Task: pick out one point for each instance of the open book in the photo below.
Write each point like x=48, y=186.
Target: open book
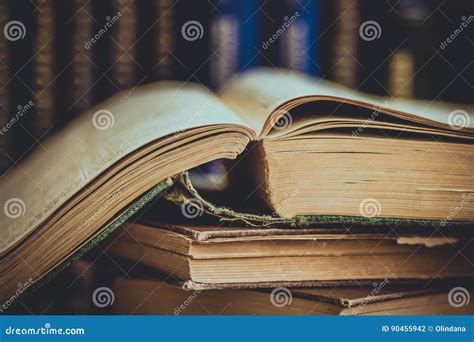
x=313, y=139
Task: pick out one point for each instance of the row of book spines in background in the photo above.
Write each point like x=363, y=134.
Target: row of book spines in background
x=76, y=53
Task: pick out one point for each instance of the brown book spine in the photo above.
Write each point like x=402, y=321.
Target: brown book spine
x=82, y=75
x=164, y=39
x=43, y=68
x=124, y=37
x=4, y=92
x=345, y=43
x=401, y=81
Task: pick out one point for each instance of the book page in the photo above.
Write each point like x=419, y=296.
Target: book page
x=92, y=143
x=258, y=94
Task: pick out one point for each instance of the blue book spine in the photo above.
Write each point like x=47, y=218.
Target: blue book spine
x=233, y=38
x=298, y=44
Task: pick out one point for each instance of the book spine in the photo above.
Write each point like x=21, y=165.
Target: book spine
x=405, y=74
x=451, y=67
x=4, y=91
x=401, y=71
x=298, y=44
x=124, y=35
x=164, y=44
x=325, y=35
x=82, y=75
x=232, y=41
x=20, y=34
x=376, y=44
x=247, y=11
x=345, y=43
x=184, y=41
x=43, y=120
x=144, y=43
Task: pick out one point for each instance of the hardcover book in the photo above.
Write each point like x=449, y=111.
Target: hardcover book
x=81, y=77
x=155, y=297
x=165, y=37
x=290, y=34
x=345, y=50
x=124, y=36
x=44, y=118
x=233, y=32
x=232, y=257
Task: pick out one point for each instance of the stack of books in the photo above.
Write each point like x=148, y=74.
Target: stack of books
x=340, y=202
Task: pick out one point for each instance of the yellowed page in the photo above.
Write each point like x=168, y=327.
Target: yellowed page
x=67, y=162
x=259, y=93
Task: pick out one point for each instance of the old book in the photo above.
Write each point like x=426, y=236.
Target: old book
x=81, y=78
x=345, y=50
x=233, y=39
x=86, y=179
x=375, y=45
x=155, y=297
x=451, y=37
x=44, y=118
x=124, y=37
x=164, y=45
x=407, y=74
x=291, y=36
x=207, y=257
x=18, y=35
x=191, y=33
x=377, y=164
